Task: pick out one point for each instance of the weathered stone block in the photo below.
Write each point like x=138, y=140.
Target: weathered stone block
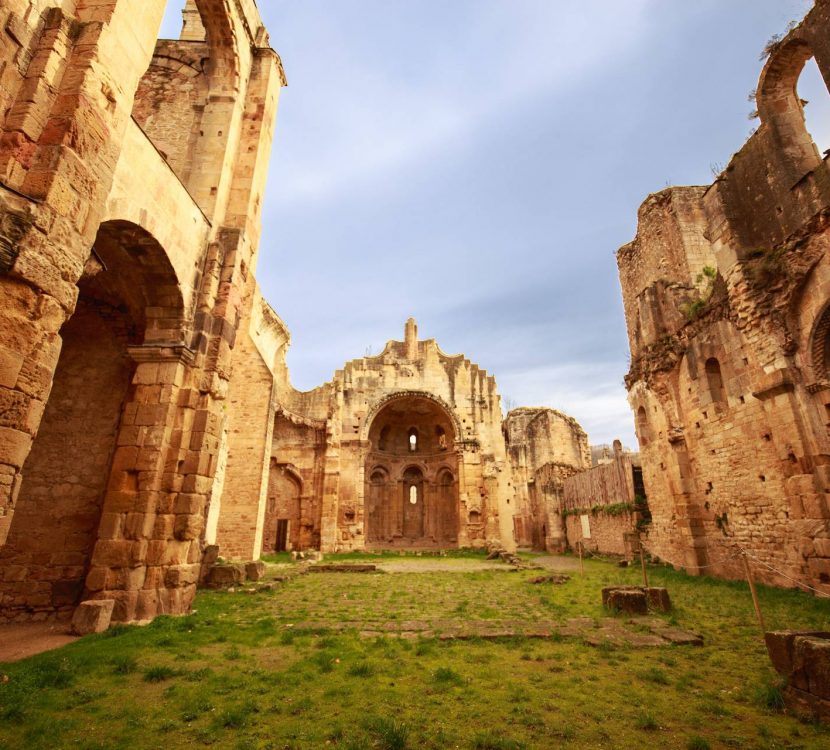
x=254, y=570
x=225, y=574
x=92, y=616
x=811, y=660
x=619, y=597
x=630, y=601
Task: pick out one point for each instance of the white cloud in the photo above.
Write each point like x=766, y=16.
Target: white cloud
x=367, y=123
x=592, y=394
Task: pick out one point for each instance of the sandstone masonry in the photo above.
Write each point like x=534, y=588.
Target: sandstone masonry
x=726, y=291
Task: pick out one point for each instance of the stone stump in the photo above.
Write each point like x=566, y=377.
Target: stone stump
x=636, y=599
x=254, y=570
x=223, y=575
x=803, y=658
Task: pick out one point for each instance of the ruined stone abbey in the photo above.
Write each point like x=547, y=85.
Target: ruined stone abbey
x=145, y=407
x=147, y=413
x=727, y=299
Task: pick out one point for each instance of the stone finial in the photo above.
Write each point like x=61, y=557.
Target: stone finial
x=192, y=28
x=618, y=449
x=411, y=339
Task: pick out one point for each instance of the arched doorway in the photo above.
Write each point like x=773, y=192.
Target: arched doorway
x=128, y=296
x=411, y=492
x=283, y=518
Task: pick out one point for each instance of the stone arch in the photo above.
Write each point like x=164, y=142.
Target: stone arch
x=282, y=527
x=412, y=504
x=820, y=347
x=128, y=300
x=128, y=263
x=780, y=108
x=379, y=405
x=212, y=22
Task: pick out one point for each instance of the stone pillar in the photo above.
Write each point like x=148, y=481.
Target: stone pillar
x=411, y=339
x=192, y=28
x=148, y=550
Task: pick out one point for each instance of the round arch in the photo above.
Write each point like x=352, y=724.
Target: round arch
x=379, y=405
x=414, y=503
x=129, y=269
x=779, y=106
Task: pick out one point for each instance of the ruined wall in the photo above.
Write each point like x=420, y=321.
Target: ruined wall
x=295, y=489
x=170, y=100
x=545, y=447
x=728, y=381
x=603, y=501
x=607, y=534
x=322, y=437
x=88, y=200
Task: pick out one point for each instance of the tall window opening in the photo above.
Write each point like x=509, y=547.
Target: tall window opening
x=812, y=91
x=643, y=429
x=715, y=380
x=413, y=440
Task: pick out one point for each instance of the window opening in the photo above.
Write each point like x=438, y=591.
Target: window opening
x=816, y=102
x=715, y=380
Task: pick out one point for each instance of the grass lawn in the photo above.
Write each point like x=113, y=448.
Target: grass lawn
x=243, y=672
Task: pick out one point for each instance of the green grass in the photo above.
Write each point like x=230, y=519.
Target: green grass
x=276, y=671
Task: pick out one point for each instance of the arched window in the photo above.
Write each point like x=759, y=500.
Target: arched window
x=441, y=438
x=714, y=379
x=413, y=439
x=812, y=92
x=643, y=429
x=780, y=104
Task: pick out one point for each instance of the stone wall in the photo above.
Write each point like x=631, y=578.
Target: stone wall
x=601, y=507
x=545, y=447
x=725, y=290
x=126, y=271
x=607, y=534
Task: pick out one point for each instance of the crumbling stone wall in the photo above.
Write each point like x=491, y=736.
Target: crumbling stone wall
x=82, y=190
x=725, y=291
x=344, y=474
x=545, y=448
x=604, y=502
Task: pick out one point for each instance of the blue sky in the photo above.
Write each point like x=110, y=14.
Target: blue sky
x=476, y=164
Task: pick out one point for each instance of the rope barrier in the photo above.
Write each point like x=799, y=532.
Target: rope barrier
x=741, y=551
x=821, y=594
x=686, y=565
